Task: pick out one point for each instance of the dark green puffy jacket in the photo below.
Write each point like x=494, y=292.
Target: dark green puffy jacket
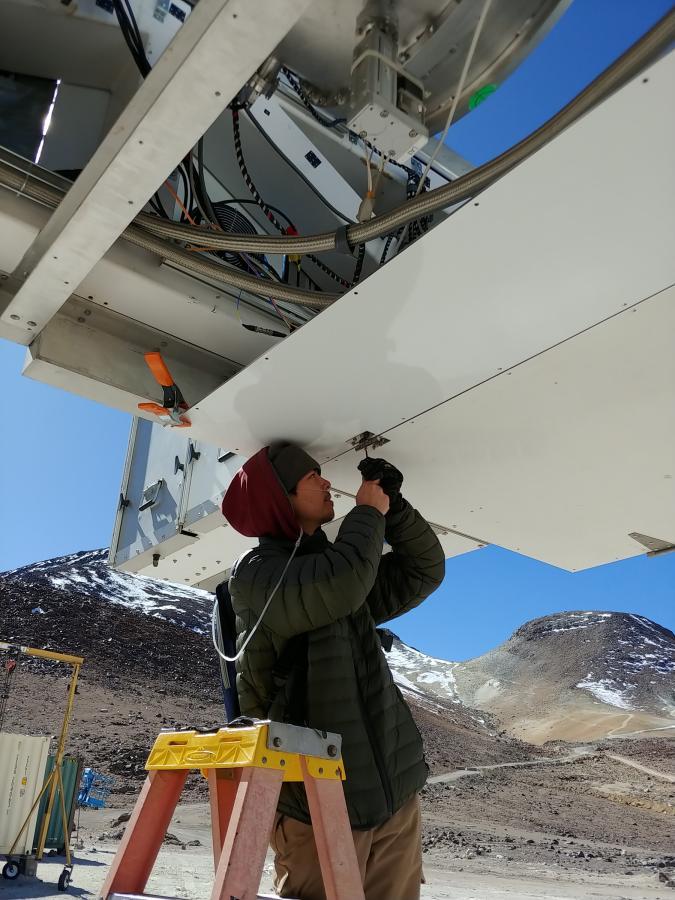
x=336, y=594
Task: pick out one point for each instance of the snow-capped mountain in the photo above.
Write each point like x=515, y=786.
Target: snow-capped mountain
x=577, y=675
x=88, y=572
x=552, y=676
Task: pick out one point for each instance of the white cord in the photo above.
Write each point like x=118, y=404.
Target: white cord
x=240, y=653
x=458, y=93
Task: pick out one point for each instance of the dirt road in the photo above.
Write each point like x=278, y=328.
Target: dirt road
x=636, y=765
x=529, y=763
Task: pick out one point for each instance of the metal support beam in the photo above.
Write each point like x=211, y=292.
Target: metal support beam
x=220, y=46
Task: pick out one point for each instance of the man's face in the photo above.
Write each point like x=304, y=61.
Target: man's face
x=311, y=502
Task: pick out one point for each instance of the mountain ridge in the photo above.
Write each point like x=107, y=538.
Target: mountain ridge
x=571, y=675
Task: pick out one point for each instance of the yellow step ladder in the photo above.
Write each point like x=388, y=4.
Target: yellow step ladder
x=244, y=767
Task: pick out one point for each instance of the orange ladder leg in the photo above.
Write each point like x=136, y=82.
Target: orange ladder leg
x=247, y=835
x=223, y=784
x=144, y=833
x=333, y=837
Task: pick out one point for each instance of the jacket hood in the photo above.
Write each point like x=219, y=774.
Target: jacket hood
x=256, y=503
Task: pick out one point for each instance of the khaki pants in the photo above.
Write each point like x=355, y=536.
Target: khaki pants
x=389, y=856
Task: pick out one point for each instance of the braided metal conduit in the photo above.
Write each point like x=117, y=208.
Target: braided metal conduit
x=33, y=187
x=627, y=66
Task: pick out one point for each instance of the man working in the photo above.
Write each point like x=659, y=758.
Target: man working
x=315, y=658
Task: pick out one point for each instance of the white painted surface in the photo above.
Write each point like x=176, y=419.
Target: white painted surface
x=559, y=458
x=22, y=768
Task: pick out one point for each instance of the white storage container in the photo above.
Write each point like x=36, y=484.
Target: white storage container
x=22, y=769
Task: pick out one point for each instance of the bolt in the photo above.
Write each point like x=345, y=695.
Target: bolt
x=363, y=134
x=384, y=113
x=412, y=133
x=15, y=317
x=32, y=323
x=277, y=742
x=332, y=750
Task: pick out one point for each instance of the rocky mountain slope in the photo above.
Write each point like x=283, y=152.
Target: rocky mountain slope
x=576, y=676
x=569, y=676
x=149, y=664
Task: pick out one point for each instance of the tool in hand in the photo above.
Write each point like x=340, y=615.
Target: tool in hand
x=380, y=470
x=172, y=410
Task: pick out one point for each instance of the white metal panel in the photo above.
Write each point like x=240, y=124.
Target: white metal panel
x=562, y=457
x=23, y=759
x=576, y=233
x=217, y=50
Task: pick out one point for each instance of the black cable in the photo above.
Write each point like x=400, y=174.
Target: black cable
x=294, y=82
x=361, y=255
x=326, y=203
x=328, y=271
x=396, y=236
x=247, y=178
x=259, y=200
x=132, y=35
x=202, y=182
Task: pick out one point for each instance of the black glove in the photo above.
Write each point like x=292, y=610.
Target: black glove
x=389, y=476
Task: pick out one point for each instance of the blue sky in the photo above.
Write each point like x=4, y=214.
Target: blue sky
x=63, y=456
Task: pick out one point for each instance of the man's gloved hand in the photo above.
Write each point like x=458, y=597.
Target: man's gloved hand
x=389, y=476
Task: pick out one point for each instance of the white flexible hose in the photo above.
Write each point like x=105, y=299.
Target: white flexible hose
x=243, y=647
x=458, y=93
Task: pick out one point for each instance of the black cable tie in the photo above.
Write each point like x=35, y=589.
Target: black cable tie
x=342, y=244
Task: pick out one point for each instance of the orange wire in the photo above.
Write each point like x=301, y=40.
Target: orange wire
x=179, y=202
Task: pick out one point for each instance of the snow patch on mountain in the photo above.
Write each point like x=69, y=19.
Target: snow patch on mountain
x=89, y=573
x=606, y=691
x=416, y=672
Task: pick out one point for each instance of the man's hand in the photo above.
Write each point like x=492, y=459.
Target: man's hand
x=371, y=494
x=388, y=476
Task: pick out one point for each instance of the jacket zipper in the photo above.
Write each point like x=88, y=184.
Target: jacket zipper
x=374, y=746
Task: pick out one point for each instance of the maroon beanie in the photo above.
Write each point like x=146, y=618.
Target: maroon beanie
x=256, y=503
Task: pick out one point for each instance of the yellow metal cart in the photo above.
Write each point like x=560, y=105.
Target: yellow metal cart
x=54, y=781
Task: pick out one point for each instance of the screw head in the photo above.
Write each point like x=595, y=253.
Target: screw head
x=15, y=317
x=87, y=312
x=33, y=324
x=363, y=134
x=276, y=742
x=332, y=750
x=412, y=133
x=384, y=113
x=391, y=153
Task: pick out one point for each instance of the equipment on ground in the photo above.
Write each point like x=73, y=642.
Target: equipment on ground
x=94, y=789
x=53, y=784
x=245, y=767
